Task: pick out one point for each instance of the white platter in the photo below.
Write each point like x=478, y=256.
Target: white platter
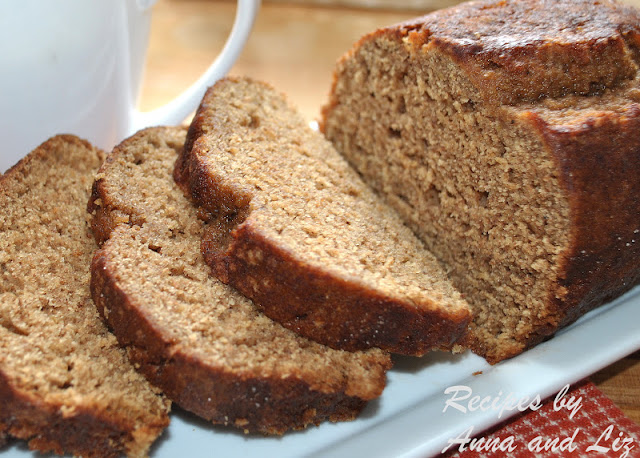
x=408, y=420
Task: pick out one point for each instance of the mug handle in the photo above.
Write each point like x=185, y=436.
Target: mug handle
x=176, y=111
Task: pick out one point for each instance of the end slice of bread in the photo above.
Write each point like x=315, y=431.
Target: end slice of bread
x=66, y=386
x=293, y=227
x=204, y=344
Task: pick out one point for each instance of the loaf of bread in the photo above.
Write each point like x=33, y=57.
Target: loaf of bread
x=293, y=227
x=205, y=345
x=506, y=134
x=66, y=386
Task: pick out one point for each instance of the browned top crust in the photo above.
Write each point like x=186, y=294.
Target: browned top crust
x=523, y=50
x=565, y=71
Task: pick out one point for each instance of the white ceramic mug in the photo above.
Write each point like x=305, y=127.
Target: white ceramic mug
x=75, y=66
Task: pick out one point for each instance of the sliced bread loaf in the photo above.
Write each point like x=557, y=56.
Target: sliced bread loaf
x=204, y=344
x=293, y=227
x=506, y=134
x=66, y=386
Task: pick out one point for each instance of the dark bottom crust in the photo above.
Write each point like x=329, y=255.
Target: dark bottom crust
x=338, y=312
x=255, y=405
x=360, y=320
x=47, y=430
x=268, y=406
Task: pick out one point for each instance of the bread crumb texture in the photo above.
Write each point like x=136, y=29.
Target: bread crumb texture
x=294, y=227
x=506, y=135
x=65, y=384
x=207, y=346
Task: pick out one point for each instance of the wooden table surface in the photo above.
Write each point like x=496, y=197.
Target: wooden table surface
x=294, y=47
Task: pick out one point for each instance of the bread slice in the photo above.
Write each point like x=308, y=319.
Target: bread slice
x=506, y=135
x=204, y=344
x=293, y=227
x=66, y=386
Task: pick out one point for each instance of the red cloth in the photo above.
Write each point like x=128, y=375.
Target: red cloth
x=598, y=424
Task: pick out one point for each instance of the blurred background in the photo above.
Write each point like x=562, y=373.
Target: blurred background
x=293, y=46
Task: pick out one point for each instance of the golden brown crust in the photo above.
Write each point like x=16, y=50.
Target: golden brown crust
x=213, y=394
x=517, y=51
x=236, y=396
x=599, y=162
x=316, y=303
x=360, y=318
x=597, y=156
x=23, y=417
x=521, y=58
x=525, y=50
x=599, y=165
